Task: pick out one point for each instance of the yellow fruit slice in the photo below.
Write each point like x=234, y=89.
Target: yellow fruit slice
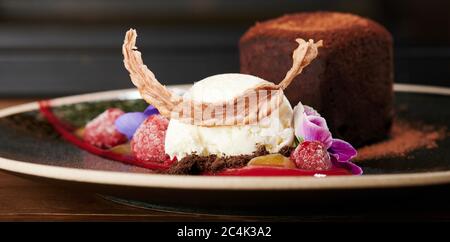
x=272, y=160
x=79, y=132
x=124, y=149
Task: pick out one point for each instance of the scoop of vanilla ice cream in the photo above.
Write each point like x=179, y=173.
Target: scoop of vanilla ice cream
x=273, y=132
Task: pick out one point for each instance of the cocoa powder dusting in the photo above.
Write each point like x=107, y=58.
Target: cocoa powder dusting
x=405, y=137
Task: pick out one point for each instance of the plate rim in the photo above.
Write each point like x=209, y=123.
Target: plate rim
x=214, y=182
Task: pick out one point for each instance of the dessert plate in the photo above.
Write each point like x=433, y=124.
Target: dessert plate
x=29, y=147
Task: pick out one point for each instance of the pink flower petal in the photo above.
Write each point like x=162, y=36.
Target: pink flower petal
x=354, y=169
x=309, y=111
x=342, y=150
x=313, y=128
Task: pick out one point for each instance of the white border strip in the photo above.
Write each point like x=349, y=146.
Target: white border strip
x=224, y=183
x=421, y=89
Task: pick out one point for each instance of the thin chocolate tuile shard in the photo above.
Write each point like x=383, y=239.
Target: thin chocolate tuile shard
x=149, y=87
x=305, y=53
x=268, y=95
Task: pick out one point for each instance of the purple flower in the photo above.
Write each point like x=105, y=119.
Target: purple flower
x=314, y=128
x=128, y=123
x=310, y=126
x=343, y=152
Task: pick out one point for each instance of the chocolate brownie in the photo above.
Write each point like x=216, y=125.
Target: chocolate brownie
x=350, y=83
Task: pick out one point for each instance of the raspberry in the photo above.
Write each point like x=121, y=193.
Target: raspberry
x=311, y=155
x=102, y=132
x=148, y=141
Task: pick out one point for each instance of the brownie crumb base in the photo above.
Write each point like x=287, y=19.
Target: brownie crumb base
x=196, y=165
x=286, y=151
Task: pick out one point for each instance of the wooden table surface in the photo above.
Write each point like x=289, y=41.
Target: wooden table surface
x=25, y=200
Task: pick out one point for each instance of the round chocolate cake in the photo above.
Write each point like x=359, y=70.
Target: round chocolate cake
x=350, y=83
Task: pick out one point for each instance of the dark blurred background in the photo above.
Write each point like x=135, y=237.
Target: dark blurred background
x=59, y=47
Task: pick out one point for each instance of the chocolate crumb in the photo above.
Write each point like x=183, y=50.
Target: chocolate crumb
x=192, y=165
x=286, y=150
x=261, y=150
x=196, y=165
x=230, y=162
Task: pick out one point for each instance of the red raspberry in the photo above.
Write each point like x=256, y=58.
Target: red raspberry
x=102, y=132
x=148, y=141
x=311, y=155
